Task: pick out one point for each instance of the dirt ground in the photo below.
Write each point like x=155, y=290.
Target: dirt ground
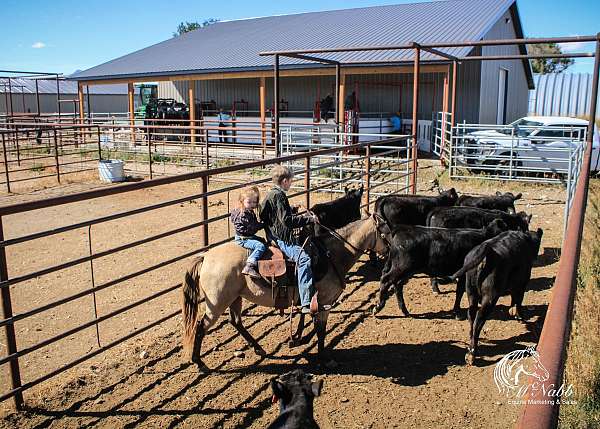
x=392, y=371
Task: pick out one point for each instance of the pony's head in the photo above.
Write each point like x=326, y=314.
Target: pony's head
x=533, y=367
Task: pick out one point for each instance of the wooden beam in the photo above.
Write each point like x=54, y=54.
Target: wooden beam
x=262, y=94
x=340, y=101
x=192, y=104
x=81, y=104
x=453, y=103
x=320, y=71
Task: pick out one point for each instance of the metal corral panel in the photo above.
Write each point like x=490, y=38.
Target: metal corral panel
x=234, y=45
x=48, y=86
x=99, y=103
x=517, y=86
x=561, y=94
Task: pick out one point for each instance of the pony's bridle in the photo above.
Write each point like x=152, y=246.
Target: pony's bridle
x=379, y=221
x=333, y=232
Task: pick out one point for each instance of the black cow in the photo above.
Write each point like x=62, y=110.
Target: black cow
x=498, y=266
x=472, y=217
x=411, y=209
x=504, y=202
x=436, y=252
x=339, y=212
x=295, y=392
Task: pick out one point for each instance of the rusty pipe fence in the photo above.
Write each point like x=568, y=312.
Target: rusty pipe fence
x=16, y=275
x=34, y=153
x=555, y=334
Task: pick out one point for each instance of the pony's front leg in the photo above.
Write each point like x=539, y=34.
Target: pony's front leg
x=235, y=317
x=297, y=336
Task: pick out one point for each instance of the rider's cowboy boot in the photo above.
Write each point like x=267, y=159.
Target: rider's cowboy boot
x=250, y=270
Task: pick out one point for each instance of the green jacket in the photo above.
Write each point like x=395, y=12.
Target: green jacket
x=277, y=215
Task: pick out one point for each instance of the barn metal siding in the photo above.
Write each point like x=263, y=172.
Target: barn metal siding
x=518, y=91
x=561, y=94
x=468, y=90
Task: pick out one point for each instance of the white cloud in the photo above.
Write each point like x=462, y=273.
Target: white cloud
x=575, y=46
x=38, y=45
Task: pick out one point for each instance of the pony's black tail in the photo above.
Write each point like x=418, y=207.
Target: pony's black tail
x=473, y=258
x=192, y=298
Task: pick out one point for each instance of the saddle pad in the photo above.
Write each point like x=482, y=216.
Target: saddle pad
x=272, y=263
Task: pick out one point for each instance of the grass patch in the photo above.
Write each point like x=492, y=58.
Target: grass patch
x=583, y=355
x=37, y=168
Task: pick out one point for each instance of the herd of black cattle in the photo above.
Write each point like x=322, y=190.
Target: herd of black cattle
x=480, y=242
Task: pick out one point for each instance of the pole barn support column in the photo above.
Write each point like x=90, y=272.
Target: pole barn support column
x=453, y=103
x=81, y=102
x=192, y=101
x=131, y=112
x=276, y=103
x=415, y=119
x=341, y=91
x=262, y=92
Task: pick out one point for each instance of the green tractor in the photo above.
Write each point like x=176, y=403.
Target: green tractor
x=148, y=92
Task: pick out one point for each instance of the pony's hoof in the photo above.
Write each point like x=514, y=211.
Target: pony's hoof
x=513, y=312
x=260, y=352
x=459, y=316
x=469, y=358
x=201, y=366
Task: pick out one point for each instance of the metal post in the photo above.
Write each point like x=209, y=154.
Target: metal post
x=10, y=97
x=58, y=98
x=150, y=158
x=276, y=103
x=367, y=176
x=9, y=328
x=37, y=97
x=307, y=181
x=204, y=213
x=207, y=157
x=56, y=157
x=5, y=165
x=99, y=146
x=415, y=119
x=338, y=118
x=17, y=145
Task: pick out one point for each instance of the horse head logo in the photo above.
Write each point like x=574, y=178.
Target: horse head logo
x=510, y=369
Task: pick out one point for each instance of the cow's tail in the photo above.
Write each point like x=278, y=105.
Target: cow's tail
x=192, y=296
x=473, y=259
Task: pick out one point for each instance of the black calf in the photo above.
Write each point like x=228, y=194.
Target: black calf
x=497, y=267
x=504, y=202
x=411, y=209
x=472, y=217
x=340, y=212
x=437, y=252
x=295, y=392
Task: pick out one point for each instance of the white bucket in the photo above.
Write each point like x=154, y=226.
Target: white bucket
x=111, y=170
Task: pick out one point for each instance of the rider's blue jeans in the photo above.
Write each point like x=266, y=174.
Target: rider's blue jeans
x=256, y=247
x=305, y=278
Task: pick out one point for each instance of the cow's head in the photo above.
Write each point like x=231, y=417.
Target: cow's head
x=497, y=226
x=509, y=195
x=449, y=197
x=524, y=220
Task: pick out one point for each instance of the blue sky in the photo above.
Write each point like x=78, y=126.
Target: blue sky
x=66, y=35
